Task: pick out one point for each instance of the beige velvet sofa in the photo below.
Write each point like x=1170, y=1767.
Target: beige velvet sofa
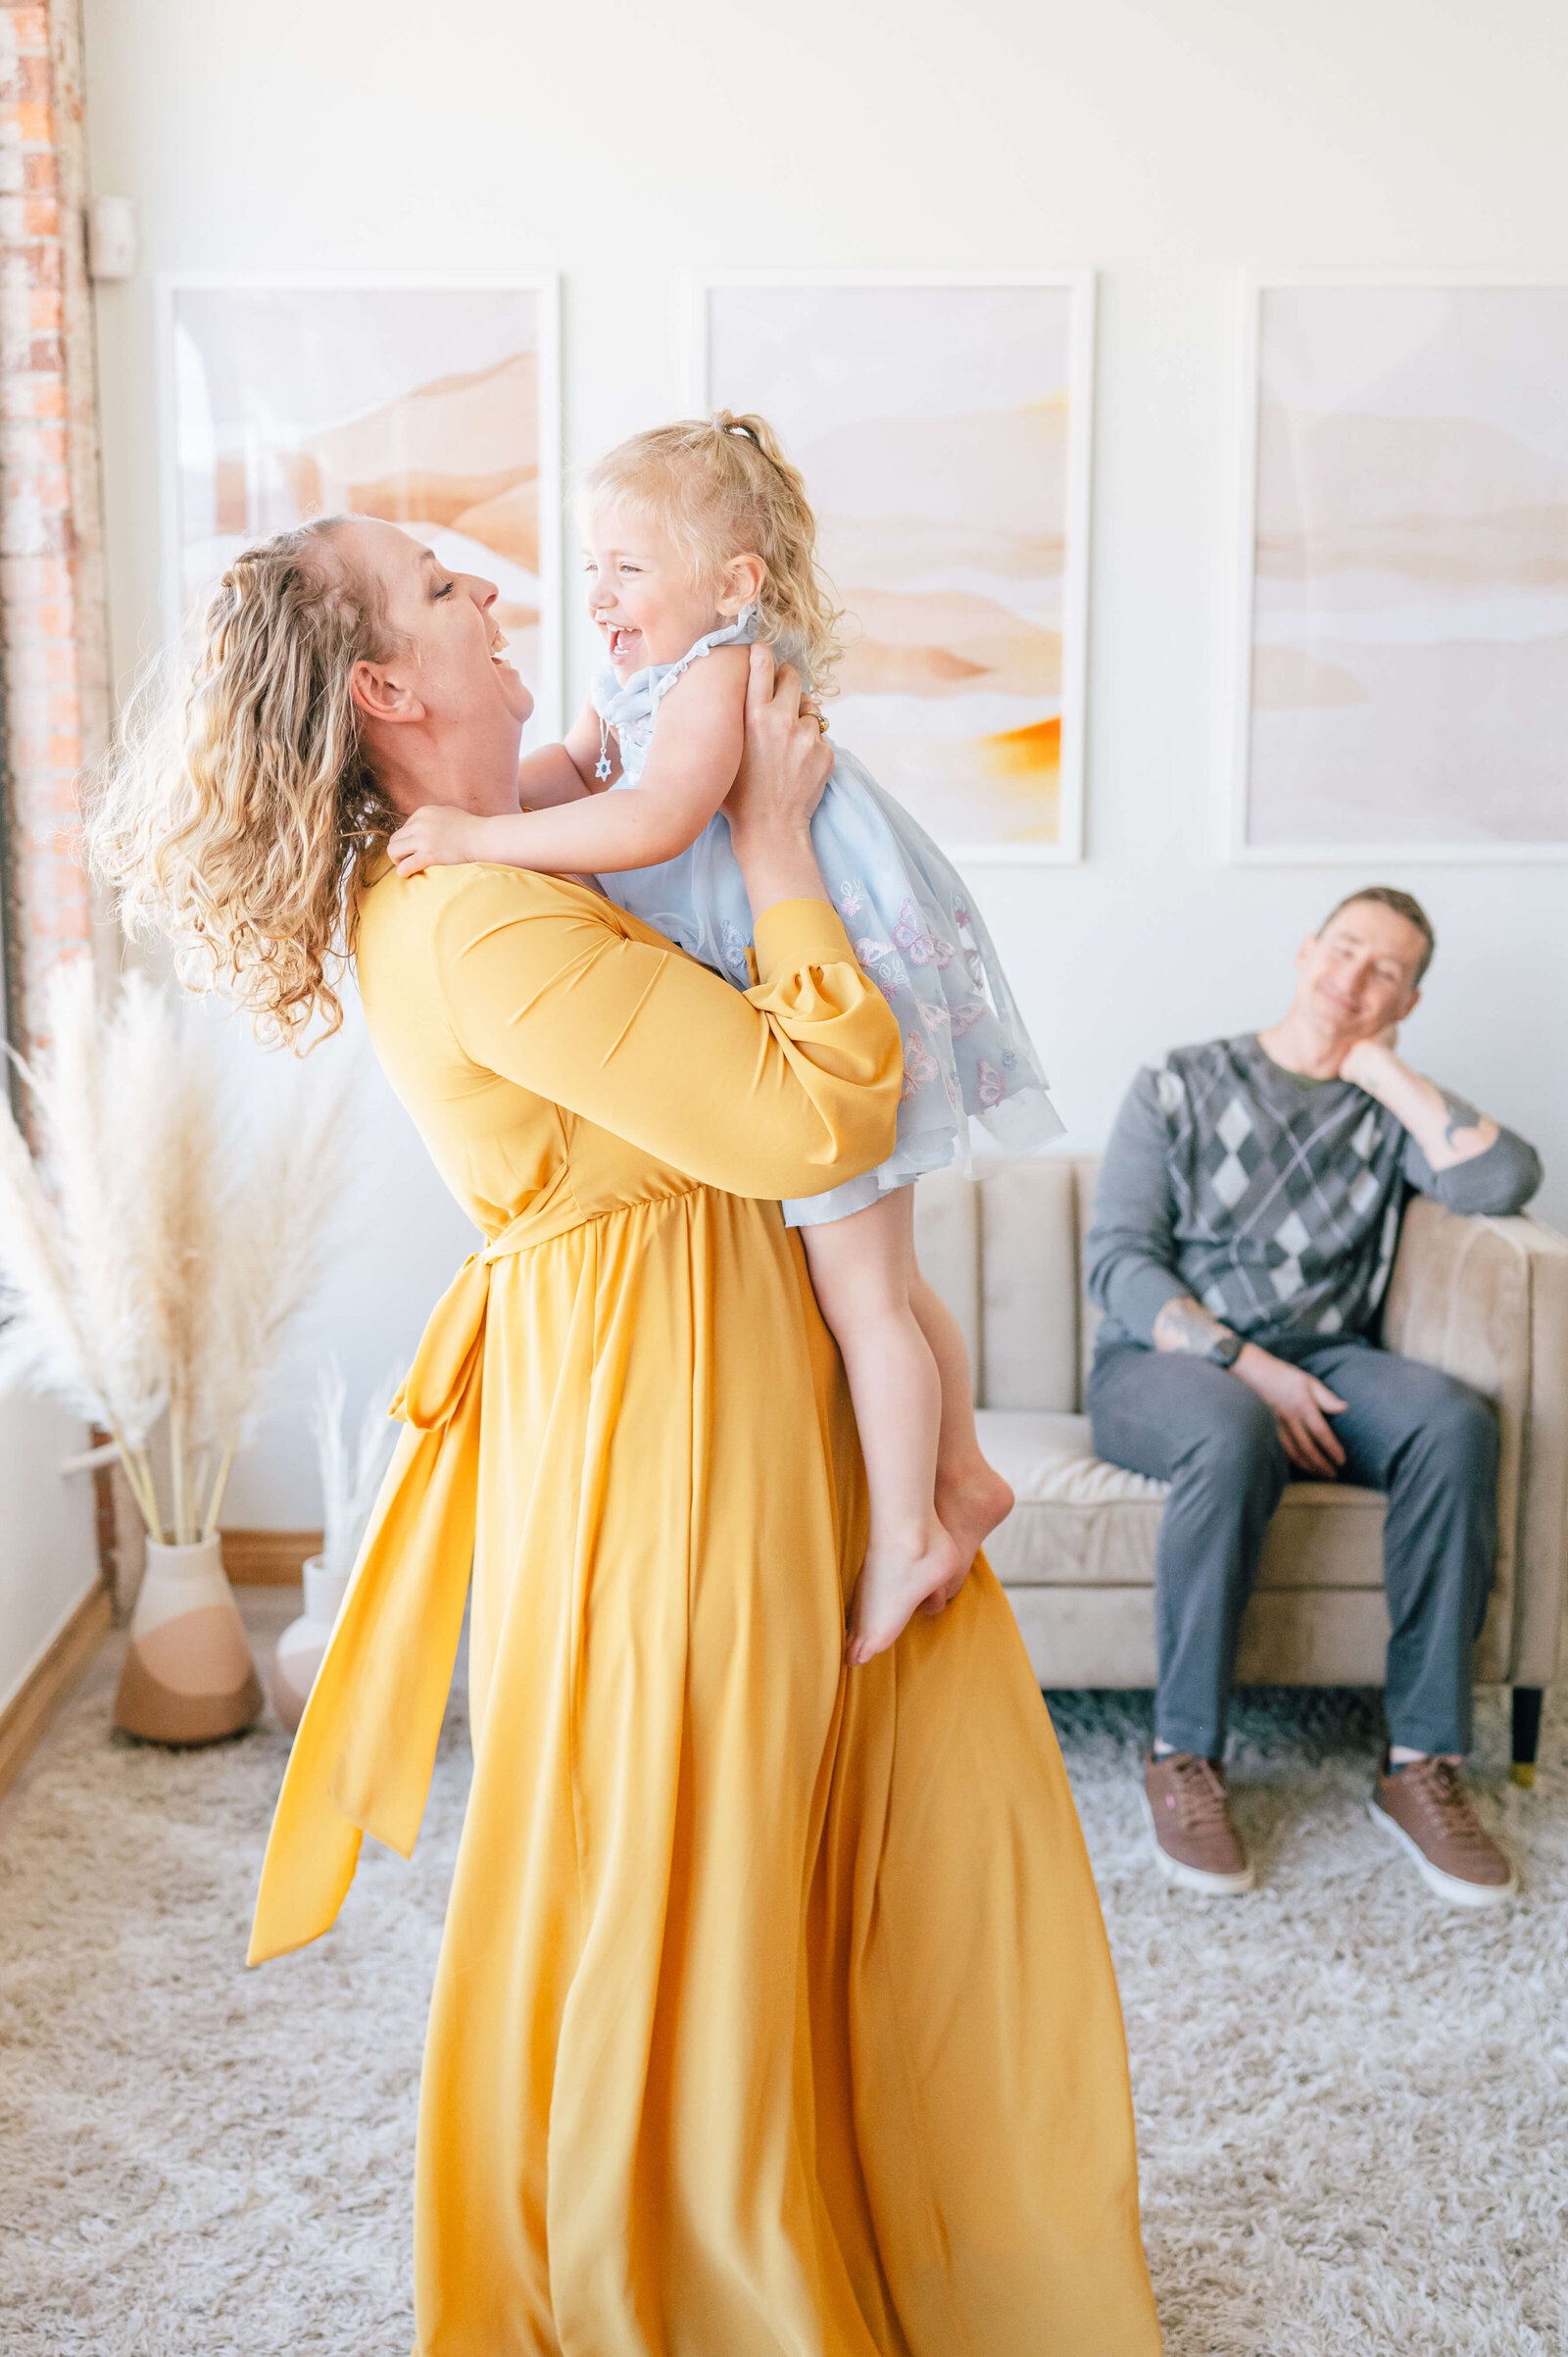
x=1485, y=1299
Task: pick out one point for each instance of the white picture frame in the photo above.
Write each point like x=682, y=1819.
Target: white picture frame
x=1078, y=286
x=545, y=678
x=1390, y=847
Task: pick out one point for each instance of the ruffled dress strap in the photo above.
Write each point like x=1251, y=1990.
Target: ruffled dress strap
x=643, y=693
x=739, y=633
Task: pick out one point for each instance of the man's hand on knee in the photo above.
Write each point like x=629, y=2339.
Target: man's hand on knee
x=1300, y=1406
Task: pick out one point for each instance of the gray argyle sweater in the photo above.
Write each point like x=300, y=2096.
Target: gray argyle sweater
x=1273, y=1199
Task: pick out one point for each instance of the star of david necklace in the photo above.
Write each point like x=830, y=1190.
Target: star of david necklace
x=601, y=767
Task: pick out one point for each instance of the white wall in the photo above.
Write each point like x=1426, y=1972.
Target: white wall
x=1167, y=145
x=48, y=1545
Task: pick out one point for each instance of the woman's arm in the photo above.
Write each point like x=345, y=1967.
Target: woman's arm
x=787, y=1090
x=785, y=763
x=690, y=769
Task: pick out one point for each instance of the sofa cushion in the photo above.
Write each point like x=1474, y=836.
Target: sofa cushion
x=1289, y=1636
x=1003, y=1254
x=1080, y=1522
x=1029, y=1286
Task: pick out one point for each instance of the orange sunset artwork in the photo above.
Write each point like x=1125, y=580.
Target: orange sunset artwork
x=420, y=406
x=933, y=428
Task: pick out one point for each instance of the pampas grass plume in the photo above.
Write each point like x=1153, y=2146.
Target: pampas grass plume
x=352, y=1473
x=153, y=1257
x=275, y=1222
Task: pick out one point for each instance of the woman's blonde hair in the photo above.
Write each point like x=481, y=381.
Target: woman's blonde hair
x=722, y=487
x=235, y=811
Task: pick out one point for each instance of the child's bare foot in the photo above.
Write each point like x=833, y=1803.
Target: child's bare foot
x=892, y=1587
x=969, y=1510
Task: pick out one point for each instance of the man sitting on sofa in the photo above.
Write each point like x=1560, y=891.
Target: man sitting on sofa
x=1244, y=1226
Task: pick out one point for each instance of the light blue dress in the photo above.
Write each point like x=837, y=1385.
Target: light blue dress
x=966, y=1054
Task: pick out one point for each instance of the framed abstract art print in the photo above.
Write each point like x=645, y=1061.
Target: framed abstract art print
x=1401, y=676
x=432, y=404
x=943, y=428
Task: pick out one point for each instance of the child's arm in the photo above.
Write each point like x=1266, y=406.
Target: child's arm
x=437, y=836
x=549, y=776
x=691, y=767
x=566, y=771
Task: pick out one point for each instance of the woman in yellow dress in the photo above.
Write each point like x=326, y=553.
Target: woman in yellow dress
x=774, y=2015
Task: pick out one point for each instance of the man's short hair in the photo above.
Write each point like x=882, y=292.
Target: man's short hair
x=1403, y=903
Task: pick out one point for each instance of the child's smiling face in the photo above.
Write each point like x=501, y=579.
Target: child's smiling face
x=641, y=593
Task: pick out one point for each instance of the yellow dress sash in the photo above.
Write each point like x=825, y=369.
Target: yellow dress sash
x=363, y=1758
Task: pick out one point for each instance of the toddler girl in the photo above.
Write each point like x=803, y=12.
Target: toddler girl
x=700, y=539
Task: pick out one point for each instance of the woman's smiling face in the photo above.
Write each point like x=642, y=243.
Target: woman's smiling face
x=641, y=594
x=446, y=621
x=443, y=710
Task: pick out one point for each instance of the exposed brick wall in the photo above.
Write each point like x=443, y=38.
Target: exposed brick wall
x=53, y=638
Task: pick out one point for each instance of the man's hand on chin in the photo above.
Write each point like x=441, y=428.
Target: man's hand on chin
x=1446, y=1127
x=1366, y=1061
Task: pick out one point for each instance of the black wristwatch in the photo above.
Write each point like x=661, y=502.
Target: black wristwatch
x=1225, y=1349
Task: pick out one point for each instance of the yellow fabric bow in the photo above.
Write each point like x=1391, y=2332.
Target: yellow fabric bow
x=363, y=1756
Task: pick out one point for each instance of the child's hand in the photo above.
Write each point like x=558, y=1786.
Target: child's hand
x=438, y=836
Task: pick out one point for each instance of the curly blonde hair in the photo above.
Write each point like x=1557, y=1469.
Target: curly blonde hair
x=235, y=811
x=722, y=487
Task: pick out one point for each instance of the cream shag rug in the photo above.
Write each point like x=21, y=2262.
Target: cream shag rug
x=1353, y=2104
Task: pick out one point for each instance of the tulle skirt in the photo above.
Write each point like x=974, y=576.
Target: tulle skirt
x=968, y=1057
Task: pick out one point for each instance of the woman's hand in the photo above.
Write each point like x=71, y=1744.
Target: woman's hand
x=437, y=836
x=784, y=767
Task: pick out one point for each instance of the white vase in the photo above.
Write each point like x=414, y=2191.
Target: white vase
x=305, y=1640
x=188, y=1676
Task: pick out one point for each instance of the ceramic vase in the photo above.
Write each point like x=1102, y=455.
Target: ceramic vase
x=304, y=1642
x=188, y=1676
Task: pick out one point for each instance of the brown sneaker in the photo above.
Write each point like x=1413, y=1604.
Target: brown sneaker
x=1426, y=1810
x=1195, y=1845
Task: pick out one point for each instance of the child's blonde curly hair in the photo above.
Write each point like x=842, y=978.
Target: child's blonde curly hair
x=722, y=487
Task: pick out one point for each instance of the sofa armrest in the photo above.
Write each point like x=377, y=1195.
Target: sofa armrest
x=1487, y=1300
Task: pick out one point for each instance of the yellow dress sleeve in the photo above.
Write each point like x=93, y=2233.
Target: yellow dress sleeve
x=787, y=1088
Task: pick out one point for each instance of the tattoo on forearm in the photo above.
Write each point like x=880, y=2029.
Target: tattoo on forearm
x=1185, y=1325
x=1461, y=1116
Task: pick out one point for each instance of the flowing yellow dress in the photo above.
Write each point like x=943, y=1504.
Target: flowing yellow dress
x=774, y=2014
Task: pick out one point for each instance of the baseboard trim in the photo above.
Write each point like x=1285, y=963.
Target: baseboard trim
x=268, y=1558
x=26, y=1718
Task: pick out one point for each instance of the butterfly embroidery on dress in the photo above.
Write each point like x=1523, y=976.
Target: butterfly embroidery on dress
x=964, y=1018
x=882, y=963
x=921, y=1066
x=911, y=936
x=990, y=1086
x=919, y=945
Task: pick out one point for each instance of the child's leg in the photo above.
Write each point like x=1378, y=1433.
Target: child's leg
x=861, y=1268
x=971, y=1497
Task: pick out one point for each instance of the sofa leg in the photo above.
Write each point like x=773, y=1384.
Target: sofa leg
x=1526, y=1733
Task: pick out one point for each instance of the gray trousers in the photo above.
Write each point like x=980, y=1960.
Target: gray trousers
x=1429, y=1441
